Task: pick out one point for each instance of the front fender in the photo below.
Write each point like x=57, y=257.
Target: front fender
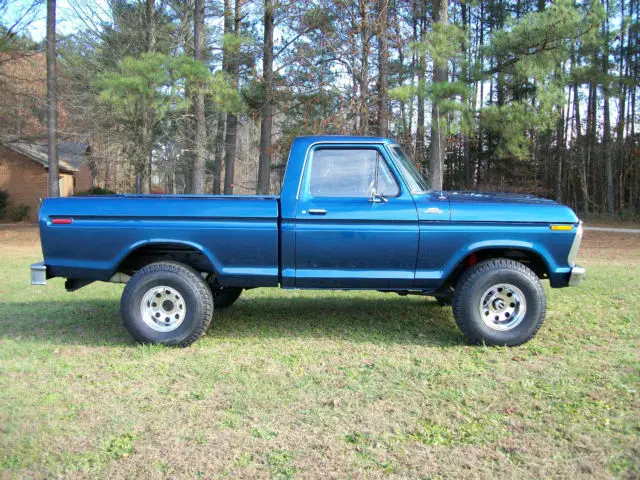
x=539, y=250
x=443, y=245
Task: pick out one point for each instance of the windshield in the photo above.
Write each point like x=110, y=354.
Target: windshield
x=415, y=181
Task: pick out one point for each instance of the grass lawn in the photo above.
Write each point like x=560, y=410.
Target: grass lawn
x=318, y=385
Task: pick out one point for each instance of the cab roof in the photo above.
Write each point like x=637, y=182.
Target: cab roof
x=343, y=139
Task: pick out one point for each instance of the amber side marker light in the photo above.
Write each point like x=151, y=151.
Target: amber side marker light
x=61, y=221
x=561, y=227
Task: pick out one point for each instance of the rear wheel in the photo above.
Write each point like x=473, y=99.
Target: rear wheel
x=499, y=302
x=167, y=303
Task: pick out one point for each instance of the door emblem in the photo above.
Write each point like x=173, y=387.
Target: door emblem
x=433, y=210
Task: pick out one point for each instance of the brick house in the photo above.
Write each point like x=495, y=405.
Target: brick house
x=24, y=171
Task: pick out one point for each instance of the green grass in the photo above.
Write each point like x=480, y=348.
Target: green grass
x=317, y=384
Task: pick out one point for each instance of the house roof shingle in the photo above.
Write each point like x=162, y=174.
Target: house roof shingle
x=74, y=153
x=70, y=154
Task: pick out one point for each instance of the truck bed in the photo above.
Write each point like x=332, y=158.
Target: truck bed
x=92, y=237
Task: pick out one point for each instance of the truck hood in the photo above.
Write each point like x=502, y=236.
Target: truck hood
x=506, y=207
x=497, y=197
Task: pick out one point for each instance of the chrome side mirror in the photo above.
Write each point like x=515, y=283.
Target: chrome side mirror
x=377, y=197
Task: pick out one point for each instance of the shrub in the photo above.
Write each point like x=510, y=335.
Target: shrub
x=4, y=201
x=628, y=214
x=19, y=212
x=94, y=191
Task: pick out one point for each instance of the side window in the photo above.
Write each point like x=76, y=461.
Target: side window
x=350, y=173
x=387, y=185
x=342, y=172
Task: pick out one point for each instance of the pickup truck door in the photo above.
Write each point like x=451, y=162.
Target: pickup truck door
x=356, y=223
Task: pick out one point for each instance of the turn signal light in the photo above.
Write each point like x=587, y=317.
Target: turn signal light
x=561, y=227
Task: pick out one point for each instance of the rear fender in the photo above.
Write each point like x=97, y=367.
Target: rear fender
x=216, y=266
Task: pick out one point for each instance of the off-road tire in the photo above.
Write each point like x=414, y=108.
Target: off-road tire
x=185, y=280
x=482, y=276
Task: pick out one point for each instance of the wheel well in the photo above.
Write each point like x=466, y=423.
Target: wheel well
x=158, y=252
x=527, y=257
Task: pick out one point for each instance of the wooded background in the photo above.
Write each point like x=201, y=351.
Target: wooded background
x=504, y=95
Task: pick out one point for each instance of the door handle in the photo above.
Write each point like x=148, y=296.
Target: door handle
x=317, y=211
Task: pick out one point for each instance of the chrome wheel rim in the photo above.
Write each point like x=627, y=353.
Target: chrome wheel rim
x=163, y=308
x=503, y=307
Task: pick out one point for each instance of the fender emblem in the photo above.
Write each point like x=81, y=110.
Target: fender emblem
x=433, y=210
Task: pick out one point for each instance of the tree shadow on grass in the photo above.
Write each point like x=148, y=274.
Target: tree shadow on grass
x=389, y=319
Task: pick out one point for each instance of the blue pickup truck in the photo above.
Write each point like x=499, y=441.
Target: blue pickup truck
x=354, y=213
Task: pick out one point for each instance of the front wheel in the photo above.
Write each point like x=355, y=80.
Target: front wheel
x=167, y=303
x=499, y=302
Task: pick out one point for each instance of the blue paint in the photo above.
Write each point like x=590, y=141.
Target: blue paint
x=413, y=241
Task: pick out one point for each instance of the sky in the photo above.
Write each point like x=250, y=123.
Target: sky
x=67, y=20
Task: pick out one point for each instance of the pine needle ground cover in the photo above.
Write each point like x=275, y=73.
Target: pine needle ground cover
x=319, y=384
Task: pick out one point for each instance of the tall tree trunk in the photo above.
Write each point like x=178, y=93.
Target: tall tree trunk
x=479, y=100
x=591, y=135
x=144, y=173
x=230, y=153
x=633, y=60
x=606, y=124
x=559, y=154
x=52, y=101
x=438, y=119
x=579, y=147
x=217, y=163
x=232, y=120
x=422, y=65
x=405, y=133
x=364, y=66
x=606, y=145
x=150, y=10
x=264, y=165
x=144, y=163
x=466, y=147
x=622, y=96
x=107, y=168
x=383, y=67
x=198, y=172
x=222, y=116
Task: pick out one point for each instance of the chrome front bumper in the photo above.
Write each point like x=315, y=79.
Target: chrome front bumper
x=38, y=274
x=577, y=276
